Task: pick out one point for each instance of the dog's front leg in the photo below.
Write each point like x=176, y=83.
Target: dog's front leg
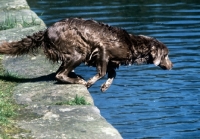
x=111, y=76
x=101, y=68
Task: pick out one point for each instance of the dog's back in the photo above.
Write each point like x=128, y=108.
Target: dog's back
x=85, y=36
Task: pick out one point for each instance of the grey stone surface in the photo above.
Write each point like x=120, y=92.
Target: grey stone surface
x=13, y=5
x=39, y=93
x=47, y=93
x=67, y=122
x=43, y=119
x=18, y=33
x=30, y=66
x=18, y=12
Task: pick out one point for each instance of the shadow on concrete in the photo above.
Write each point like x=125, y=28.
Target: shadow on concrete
x=44, y=78
x=10, y=78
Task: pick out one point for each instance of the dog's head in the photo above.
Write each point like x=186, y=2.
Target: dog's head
x=159, y=55
x=151, y=51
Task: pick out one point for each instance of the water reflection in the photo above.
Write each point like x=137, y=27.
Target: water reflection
x=145, y=101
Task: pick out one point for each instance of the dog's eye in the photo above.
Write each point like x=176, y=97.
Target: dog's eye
x=166, y=57
x=153, y=53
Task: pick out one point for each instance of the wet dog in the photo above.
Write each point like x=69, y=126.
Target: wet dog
x=75, y=40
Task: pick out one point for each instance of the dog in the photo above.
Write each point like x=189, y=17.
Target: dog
x=75, y=40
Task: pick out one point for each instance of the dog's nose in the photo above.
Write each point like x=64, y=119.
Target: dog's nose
x=171, y=63
x=170, y=66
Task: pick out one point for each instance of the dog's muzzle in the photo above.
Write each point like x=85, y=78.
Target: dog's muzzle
x=166, y=64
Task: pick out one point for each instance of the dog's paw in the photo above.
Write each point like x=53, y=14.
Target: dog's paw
x=88, y=84
x=104, y=87
x=81, y=81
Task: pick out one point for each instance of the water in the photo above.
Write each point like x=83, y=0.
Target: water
x=145, y=101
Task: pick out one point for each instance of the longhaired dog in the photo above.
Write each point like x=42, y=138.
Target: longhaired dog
x=75, y=40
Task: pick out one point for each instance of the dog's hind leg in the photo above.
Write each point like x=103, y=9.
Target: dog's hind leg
x=65, y=74
x=71, y=74
x=60, y=68
x=111, y=76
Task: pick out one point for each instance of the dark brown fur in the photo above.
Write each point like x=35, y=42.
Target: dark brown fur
x=76, y=40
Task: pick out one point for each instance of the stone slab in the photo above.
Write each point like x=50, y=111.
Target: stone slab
x=39, y=93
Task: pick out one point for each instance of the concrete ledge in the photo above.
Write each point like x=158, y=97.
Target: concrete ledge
x=13, y=4
x=38, y=92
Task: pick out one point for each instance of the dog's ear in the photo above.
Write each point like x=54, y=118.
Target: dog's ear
x=156, y=55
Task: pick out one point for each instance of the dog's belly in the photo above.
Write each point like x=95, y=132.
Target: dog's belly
x=117, y=56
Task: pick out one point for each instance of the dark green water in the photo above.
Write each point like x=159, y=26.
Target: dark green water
x=145, y=101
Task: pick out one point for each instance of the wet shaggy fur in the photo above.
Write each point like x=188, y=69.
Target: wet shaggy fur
x=75, y=40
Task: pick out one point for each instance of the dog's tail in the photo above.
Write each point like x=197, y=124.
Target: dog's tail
x=24, y=46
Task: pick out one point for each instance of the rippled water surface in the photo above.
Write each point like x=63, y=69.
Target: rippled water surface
x=145, y=101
